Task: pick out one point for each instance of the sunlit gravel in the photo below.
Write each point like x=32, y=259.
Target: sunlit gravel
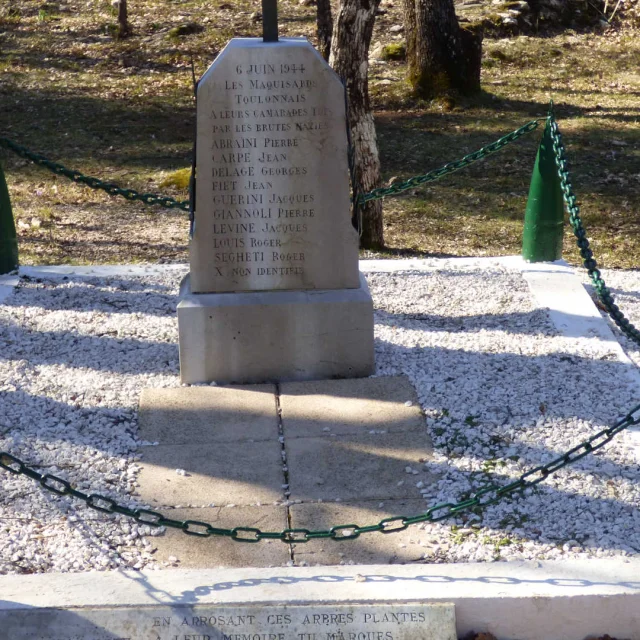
x=502, y=392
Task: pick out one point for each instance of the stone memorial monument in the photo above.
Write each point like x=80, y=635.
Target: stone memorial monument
x=274, y=292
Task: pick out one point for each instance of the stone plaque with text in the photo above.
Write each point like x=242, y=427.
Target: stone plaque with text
x=272, y=194
x=397, y=621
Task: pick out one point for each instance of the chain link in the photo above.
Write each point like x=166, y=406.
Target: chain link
x=582, y=241
x=94, y=183
x=486, y=496
x=450, y=167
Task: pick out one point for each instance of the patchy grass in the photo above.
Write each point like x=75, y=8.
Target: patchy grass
x=594, y=82
x=123, y=110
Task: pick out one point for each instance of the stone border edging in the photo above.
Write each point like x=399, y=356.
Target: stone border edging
x=565, y=600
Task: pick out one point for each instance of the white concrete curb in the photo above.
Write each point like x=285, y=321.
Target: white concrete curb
x=7, y=285
x=567, y=600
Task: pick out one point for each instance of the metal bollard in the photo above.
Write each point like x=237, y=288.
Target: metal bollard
x=8, y=239
x=544, y=217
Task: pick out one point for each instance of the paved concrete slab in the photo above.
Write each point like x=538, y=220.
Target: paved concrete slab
x=375, y=548
x=332, y=453
x=349, y=406
x=208, y=414
x=241, y=473
x=357, y=467
x=203, y=553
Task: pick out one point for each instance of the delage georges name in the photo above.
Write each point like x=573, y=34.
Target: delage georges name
x=237, y=164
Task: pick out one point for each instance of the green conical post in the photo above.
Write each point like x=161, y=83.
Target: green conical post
x=8, y=240
x=544, y=217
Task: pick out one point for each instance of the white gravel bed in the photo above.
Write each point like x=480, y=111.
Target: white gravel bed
x=501, y=390
x=75, y=354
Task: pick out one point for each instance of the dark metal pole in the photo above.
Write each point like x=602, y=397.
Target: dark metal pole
x=270, y=20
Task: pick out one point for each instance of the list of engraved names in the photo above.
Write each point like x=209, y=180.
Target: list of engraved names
x=263, y=144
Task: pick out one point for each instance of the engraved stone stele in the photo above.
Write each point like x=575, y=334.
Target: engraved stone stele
x=278, y=621
x=274, y=291
x=272, y=191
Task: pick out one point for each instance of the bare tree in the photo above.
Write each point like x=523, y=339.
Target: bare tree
x=349, y=58
x=123, y=19
x=442, y=57
x=325, y=27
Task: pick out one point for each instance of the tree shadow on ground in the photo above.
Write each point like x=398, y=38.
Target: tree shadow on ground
x=493, y=391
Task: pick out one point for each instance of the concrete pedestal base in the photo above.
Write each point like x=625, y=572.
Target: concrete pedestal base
x=275, y=336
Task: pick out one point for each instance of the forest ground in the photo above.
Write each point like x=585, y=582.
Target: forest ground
x=123, y=110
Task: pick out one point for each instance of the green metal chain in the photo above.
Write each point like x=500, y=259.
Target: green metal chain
x=95, y=183
x=582, y=241
x=170, y=203
x=486, y=496
x=570, y=200
x=450, y=167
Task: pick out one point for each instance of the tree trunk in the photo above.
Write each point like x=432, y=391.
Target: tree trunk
x=443, y=59
x=325, y=27
x=349, y=58
x=123, y=22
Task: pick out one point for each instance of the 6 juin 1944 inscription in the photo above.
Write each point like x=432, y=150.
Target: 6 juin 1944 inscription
x=272, y=202
x=319, y=622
